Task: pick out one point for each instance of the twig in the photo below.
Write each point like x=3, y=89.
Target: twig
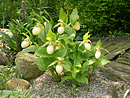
x=22, y=9
x=10, y=9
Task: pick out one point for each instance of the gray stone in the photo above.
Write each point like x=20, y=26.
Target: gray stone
x=25, y=62
x=16, y=83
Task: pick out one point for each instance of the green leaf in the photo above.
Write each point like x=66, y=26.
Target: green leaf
x=86, y=65
x=47, y=27
x=67, y=62
x=71, y=33
x=41, y=51
x=86, y=73
x=8, y=40
x=44, y=62
x=49, y=16
x=50, y=35
x=12, y=29
x=32, y=48
x=74, y=16
x=71, y=37
x=82, y=49
x=40, y=64
x=74, y=75
x=77, y=63
x=66, y=78
x=38, y=16
x=76, y=69
x=81, y=79
x=66, y=67
x=63, y=16
x=86, y=36
x=99, y=43
x=42, y=36
x=103, y=62
x=60, y=53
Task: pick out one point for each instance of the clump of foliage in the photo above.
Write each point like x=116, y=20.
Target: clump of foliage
x=60, y=53
x=13, y=37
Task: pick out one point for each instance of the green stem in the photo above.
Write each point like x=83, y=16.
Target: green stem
x=3, y=21
x=54, y=75
x=92, y=74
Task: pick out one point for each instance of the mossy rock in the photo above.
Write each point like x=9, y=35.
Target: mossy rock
x=16, y=83
x=3, y=59
x=25, y=62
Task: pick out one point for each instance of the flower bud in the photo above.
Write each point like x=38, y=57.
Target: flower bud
x=60, y=29
x=97, y=54
x=87, y=46
x=77, y=26
x=25, y=43
x=59, y=67
x=36, y=30
x=50, y=49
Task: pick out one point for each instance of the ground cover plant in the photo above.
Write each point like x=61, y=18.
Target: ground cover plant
x=15, y=94
x=60, y=54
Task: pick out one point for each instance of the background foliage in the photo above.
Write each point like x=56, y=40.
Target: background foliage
x=100, y=17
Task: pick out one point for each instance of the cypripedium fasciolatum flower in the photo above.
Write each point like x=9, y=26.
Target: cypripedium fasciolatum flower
x=60, y=29
x=59, y=67
x=25, y=43
x=77, y=26
x=50, y=48
x=97, y=54
x=58, y=47
x=87, y=45
x=45, y=23
x=37, y=29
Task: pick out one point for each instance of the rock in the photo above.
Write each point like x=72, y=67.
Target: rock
x=25, y=63
x=17, y=83
x=3, y=59
x=112, y=91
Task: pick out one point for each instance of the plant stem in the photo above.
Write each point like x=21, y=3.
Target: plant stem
x=10, y=9
x=92, y=74
x=54, y=75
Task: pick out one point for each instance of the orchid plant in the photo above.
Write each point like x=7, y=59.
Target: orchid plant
x=60, y=54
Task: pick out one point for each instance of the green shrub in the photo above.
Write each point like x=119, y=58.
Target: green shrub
x=15, y=6
x=97, y=16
